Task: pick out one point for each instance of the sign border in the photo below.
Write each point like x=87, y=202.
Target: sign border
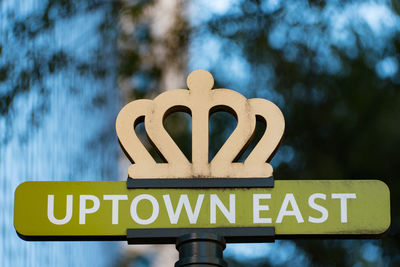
x=231, y=234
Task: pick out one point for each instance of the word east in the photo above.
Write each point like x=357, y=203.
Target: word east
x=90, y=204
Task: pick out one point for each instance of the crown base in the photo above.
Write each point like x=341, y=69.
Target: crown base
x=233, y=170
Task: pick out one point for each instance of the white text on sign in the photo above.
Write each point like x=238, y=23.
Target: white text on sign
x=90, y=204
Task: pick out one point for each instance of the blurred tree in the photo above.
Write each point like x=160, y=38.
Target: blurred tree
x=28, y=61
x=335, y=69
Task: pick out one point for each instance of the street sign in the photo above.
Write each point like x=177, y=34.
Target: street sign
x=105, y=210
x=200, y=204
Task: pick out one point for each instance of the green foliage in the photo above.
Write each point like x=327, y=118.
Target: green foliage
x=342, y=113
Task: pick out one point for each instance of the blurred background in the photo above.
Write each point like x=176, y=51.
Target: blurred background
x=68, y=66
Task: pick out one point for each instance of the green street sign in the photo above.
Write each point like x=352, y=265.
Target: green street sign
x=106, y=210
x=200, y=204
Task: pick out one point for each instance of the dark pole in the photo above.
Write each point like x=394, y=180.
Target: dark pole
x=200, y=249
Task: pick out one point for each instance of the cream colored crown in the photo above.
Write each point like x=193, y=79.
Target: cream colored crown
x=200, y=99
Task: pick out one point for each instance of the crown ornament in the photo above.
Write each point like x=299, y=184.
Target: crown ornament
x=200, y=101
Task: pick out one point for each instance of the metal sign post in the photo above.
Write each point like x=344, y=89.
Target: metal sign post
x=201, y=205
x=200, y=249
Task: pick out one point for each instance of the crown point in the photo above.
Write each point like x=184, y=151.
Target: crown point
x=200, y=80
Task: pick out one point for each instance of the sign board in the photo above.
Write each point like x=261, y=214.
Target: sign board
x=239, y=201
x=105, y=210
